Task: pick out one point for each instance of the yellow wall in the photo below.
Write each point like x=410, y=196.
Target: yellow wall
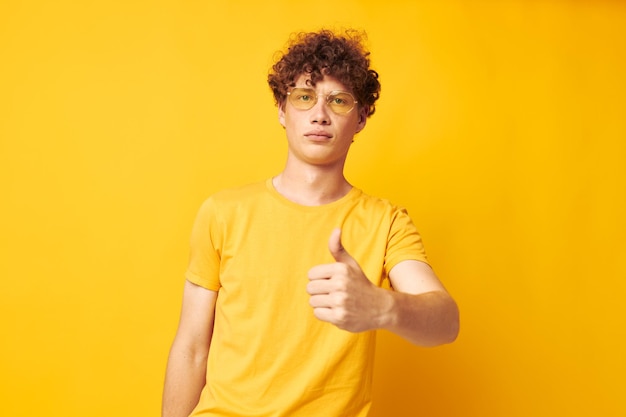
x=502, y=127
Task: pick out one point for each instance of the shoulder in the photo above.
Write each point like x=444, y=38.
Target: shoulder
x=230, y=201
x=389, y=216
x=240, y=192
x=236, y=195
x=379, y=205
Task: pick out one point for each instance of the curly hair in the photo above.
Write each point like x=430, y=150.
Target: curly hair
x=324, y=53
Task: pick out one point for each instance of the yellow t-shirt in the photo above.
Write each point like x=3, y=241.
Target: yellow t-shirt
x=269, y=355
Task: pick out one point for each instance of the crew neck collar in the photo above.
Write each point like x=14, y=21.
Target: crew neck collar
x=353, y=193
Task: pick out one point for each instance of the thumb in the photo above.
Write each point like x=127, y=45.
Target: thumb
x=336, y=247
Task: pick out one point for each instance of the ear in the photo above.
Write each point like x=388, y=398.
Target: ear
x=362, y=120
x=281, y=115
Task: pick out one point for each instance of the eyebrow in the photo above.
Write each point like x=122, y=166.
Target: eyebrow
x=315, y=91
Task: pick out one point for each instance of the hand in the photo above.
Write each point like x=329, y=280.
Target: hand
x=340, y=292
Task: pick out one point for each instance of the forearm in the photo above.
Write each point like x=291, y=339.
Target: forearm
x=427, y=319
x=184, y=379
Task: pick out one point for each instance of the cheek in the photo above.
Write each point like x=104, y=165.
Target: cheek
x=351, y=127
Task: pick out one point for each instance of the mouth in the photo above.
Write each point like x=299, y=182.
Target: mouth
x=318, y=135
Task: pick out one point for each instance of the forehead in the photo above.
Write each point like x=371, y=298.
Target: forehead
x=327, y=84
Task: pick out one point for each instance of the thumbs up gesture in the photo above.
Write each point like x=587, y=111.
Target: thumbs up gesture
x=341, y=294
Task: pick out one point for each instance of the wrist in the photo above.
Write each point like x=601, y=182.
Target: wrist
x=387, y=311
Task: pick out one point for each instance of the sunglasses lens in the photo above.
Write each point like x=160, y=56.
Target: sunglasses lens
x=340, y=102
x=302, y=98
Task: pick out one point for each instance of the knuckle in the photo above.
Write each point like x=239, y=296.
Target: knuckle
x=340, y=298
x=341, y=284
x=343, y=269
x=342, y=320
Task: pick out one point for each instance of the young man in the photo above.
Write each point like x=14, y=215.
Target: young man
x=283, y=289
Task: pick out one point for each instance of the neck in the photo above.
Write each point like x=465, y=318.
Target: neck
x=312, y=185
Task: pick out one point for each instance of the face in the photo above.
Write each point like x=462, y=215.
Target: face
x=319, y=136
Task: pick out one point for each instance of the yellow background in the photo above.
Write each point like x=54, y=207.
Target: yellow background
x=501, y=126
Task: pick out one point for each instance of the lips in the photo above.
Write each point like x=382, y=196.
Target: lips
x=318, y=135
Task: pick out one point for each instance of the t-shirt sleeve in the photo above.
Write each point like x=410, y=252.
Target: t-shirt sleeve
x=404, y=241
x=204, y=257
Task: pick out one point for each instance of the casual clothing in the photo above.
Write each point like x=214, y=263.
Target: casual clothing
x=269, y=355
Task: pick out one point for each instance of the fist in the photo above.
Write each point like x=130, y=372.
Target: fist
x=340, y=293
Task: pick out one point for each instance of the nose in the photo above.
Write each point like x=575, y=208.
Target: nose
x=320, y=112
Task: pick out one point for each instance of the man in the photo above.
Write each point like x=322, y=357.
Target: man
x=283, y=288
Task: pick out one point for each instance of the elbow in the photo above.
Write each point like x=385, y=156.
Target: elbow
x=453, y=326
x=195, y=354
x=450, y=324
x=445, y=324
x=453, y=321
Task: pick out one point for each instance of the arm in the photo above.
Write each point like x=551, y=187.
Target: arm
x=420, y=309
x=186, y=368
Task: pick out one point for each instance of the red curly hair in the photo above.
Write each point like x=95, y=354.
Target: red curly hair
x=324, y=53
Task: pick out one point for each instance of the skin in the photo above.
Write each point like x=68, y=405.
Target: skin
x=419, y=309
x=313, y=172
x=186, y=367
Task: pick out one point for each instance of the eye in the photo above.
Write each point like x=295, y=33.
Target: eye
x=340, y=100
x=302, y=95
